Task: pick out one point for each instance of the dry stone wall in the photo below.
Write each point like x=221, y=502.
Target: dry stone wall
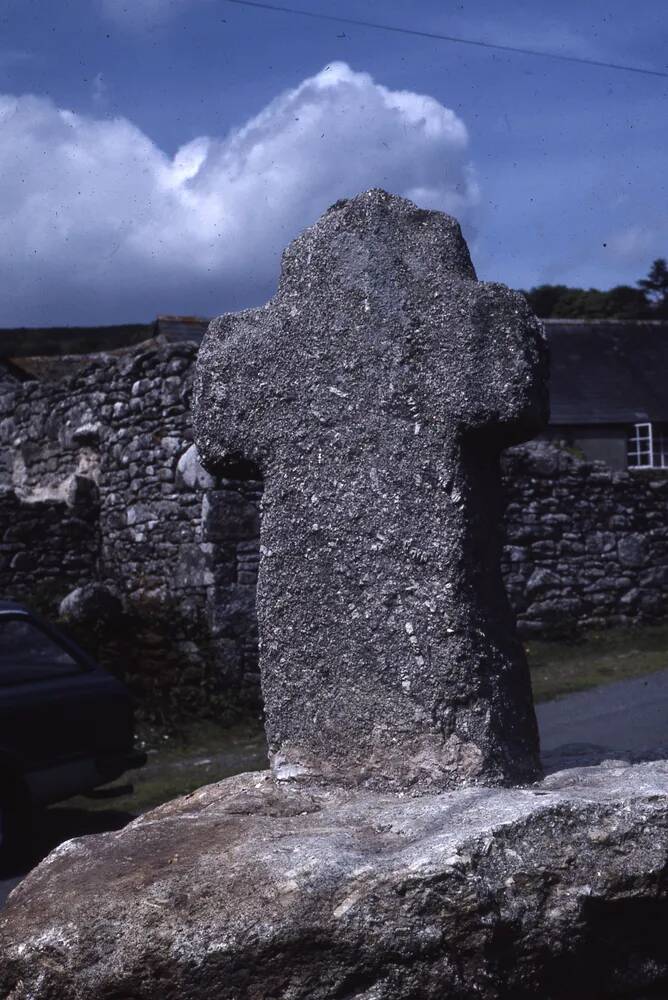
x=99, y=480
x=49, y=499
x=120, y=427
x=586, y=547
x=48, y=546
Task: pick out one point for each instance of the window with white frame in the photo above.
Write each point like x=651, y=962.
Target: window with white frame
x=648, y=446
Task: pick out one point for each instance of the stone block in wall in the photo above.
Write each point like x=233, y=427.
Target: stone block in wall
x=631, y=599
x=228, y=516
x=542, y=580
x=543, y=549
x=231, y=611
x=598, y=542
x=193, y=567
x=140, y=387
x=632, y=550
x=655, y=577
x=601, y=474
x=515, y=553
x=557, y=609
x=556, y=520
x=570, y=547
x=227, y=656
x=82, y=491
x=654, y=603
x=157, y=511
x=607, y=583
x=190, y=474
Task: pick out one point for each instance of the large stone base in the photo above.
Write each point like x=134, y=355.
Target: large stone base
x=250, y=890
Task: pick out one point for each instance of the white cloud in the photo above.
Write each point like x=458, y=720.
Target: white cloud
x=98, y=224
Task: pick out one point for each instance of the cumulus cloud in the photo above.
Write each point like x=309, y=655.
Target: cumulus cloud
x=99, y=225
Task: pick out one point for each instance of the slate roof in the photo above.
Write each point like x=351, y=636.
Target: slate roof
x=27, y=342
x=608, y=372
x=176, y=329
x=54, y=341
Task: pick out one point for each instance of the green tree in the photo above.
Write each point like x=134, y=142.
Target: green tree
x=655, y=286
x=561, y=302
x=624, y=302
x=544, y=299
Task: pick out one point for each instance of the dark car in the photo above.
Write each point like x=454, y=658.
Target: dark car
x=66, y=725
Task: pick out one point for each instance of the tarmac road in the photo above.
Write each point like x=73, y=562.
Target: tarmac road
x=624, y=716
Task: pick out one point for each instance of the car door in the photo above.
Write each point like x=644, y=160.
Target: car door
x=54, y=705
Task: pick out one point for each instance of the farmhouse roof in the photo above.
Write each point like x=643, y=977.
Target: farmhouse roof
x=607, y=371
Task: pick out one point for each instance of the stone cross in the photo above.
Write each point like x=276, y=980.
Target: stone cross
x=374, y=393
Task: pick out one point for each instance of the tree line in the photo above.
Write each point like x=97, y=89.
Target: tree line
x=648, y=300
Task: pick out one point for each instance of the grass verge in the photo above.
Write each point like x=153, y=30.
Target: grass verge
x=564, y=667
x=201, y=753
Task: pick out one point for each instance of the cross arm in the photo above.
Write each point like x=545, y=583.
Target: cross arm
x=233, y=398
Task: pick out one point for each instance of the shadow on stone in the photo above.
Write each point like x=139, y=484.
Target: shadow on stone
x=53, y=826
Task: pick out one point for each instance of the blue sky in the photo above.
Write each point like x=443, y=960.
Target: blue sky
x=156, y=155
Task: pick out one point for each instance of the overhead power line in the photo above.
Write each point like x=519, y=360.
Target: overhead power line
x=448, y=38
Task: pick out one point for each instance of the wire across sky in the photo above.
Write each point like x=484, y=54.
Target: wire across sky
x=479, y=43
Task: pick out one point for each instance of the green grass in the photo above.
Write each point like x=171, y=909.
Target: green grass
x=204, y=752
x=597, y=658
x=201, y=753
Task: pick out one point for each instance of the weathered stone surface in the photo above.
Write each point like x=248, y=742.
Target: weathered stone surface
x=90, y=603
x=632, y=551
x=375, y=393
x=255, y=889
x=189, y=471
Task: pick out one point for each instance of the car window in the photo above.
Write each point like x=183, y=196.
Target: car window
x=29, y=654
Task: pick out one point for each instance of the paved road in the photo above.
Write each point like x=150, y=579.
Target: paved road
x=628, y=715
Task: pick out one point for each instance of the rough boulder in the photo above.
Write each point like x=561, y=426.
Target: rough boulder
x=253, y=889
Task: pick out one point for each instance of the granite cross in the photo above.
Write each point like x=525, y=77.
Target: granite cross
x=374, y=393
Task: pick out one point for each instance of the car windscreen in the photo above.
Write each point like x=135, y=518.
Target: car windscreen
x=29, y=654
